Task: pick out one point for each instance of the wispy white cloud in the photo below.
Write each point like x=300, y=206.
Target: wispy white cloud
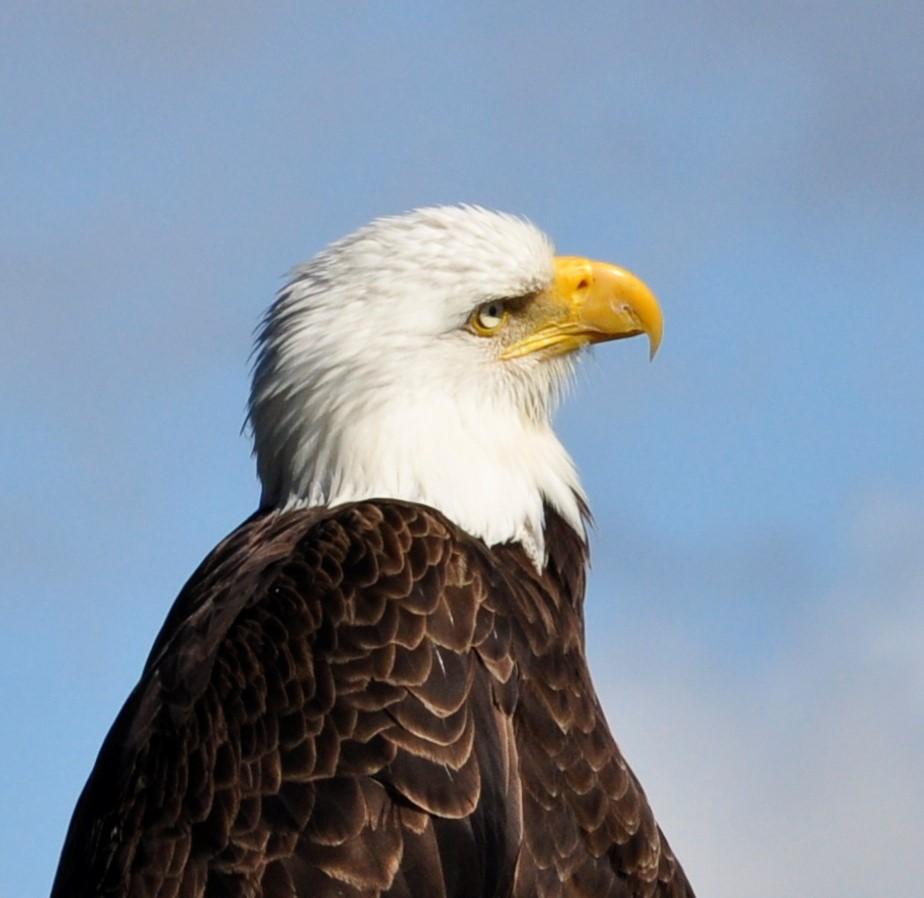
x=804, y=777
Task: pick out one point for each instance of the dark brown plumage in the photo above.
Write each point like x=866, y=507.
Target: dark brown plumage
x=367, y=701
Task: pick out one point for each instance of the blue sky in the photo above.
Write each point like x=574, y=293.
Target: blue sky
x=754, y=616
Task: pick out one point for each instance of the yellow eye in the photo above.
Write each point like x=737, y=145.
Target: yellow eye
x=488, y=317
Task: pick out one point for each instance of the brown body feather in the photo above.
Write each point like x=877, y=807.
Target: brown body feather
x=361, y=702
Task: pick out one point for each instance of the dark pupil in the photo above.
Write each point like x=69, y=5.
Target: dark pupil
x=493, y=311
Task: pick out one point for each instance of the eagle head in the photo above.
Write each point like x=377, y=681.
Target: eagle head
x=421, y=358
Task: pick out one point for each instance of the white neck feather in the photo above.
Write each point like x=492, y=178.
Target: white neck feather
x=483, y=468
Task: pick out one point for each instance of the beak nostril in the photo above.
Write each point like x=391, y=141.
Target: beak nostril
x=583, y=284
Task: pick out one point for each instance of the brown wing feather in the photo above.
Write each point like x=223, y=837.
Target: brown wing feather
x=366, y=702
x=588, y=827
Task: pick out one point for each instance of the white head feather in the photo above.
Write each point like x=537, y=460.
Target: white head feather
x=368, y=384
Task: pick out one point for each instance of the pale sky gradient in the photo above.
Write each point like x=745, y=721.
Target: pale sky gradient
x=755, y=613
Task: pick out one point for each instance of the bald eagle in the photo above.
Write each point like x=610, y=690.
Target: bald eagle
x=376, y=685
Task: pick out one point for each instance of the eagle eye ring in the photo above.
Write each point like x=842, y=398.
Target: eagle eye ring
x=489, y=317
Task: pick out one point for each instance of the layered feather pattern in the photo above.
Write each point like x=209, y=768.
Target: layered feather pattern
x=366, y=701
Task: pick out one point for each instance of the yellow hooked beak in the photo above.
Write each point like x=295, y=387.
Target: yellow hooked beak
x=590, y=302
